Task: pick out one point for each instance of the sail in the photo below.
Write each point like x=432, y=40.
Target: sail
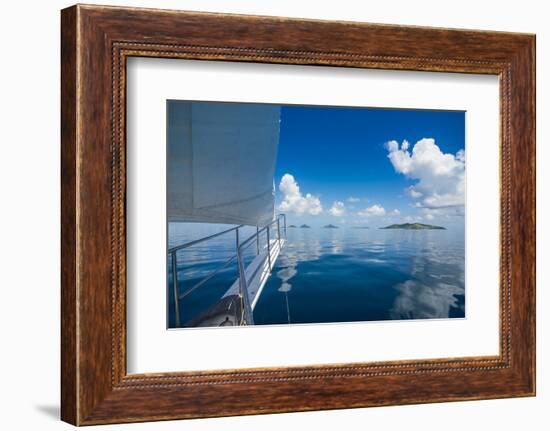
x=221, y=162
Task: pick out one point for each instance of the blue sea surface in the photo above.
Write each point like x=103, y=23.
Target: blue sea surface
x=332, y=275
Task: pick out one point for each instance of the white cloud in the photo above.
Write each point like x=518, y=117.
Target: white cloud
x=414, y=193
x=441, y=176
x=395, y=212
x=392, y=146
x=353, y=200
x=374, y=210
x=294, y=201
x=338, y=209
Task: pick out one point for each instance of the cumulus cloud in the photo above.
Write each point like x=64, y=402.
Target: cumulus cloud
x=353, y=200
x=337, y=209
x=374, y=210
x=414, y=193
x=293, y=199
x=395, y=212
x=440, y=176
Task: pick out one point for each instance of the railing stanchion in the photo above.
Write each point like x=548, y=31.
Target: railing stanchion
x=279, y=231
x=257, y=240
x=284, y=220
x=268, y=249
x=243, y=287
x=175, y=284
x=237, y=237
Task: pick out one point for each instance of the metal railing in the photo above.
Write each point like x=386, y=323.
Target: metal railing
x=247, y=317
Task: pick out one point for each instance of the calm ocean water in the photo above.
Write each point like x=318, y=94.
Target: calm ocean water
x=333, y=275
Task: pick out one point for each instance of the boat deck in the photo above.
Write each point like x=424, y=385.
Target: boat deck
x=228, y=310
x=258, y=272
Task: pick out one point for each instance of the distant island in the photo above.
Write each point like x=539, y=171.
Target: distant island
x=360, y=227
x=305, y=226
x=330, y=226
x=292, y=225
x=412, y=226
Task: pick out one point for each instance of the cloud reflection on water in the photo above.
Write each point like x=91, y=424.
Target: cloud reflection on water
x=417, y=300
x=422, y=298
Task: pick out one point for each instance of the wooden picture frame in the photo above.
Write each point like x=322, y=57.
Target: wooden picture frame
x=95, y=43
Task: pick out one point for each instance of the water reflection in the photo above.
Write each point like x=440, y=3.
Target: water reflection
x=360, y=275
x=340, y=275
x=417, y=300
x=302, y=248
x=288, y=263
x=436, y=286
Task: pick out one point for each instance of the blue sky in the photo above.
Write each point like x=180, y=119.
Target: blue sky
x=355, y=161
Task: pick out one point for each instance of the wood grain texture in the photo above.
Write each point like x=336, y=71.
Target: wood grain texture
x=96, y=41
x=69, y=397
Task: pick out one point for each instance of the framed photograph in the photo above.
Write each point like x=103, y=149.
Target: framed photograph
x=323, y=214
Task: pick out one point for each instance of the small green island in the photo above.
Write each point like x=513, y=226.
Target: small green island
x=305, y=226
x=292, y=225
x=330, y=226
x=413, y=226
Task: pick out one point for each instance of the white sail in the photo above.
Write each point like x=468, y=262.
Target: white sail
x=221, y=162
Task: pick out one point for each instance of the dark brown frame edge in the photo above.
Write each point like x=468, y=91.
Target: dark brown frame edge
x=95, y=43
